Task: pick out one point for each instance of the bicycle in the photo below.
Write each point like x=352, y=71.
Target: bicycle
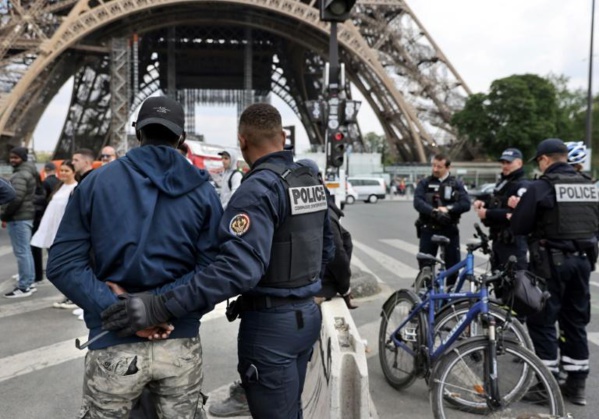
x=482, y=387
x=449, y=314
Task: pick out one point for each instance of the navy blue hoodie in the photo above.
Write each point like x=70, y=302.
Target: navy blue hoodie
x=144, y=221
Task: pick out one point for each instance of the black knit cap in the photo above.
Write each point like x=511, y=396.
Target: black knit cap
x=163, y=111
x=21, y=152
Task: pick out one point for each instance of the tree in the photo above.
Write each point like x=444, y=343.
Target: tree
x=519, y=111
x=378, y=144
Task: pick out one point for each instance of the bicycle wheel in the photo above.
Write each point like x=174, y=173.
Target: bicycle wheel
x=451, y=314
x=400, y=367
x=423, y=281
x=460, y=381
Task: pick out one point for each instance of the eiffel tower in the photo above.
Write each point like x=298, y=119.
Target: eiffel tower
x=229, y=52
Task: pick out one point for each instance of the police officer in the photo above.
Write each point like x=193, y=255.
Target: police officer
x=274, y=240
x=494, y=211
x=440, y=199
x=559, y=212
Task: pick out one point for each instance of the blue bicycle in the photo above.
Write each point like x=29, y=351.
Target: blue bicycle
x=489, y=374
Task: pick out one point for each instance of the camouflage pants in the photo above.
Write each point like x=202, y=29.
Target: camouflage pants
x=116, y=376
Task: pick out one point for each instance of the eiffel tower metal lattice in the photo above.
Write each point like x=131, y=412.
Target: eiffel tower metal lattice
x=281, y=46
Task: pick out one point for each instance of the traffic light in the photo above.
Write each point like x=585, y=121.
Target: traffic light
x=335, y=10
x=335, y=148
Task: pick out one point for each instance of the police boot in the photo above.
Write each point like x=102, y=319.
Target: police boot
x=235, y=405
x=573, y=390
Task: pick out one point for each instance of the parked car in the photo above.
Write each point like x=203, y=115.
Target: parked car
x=369, y=189
x=351, y=195
x=485, y=189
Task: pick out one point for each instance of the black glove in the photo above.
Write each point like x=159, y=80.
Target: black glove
x=441, y=218
x=135, y=312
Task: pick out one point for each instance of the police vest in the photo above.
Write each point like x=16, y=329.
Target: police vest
x=296, y=253
x=440, y=194
x=576, y=213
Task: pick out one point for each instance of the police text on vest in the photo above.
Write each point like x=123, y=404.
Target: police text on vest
x=576, y=193
x=306, y=199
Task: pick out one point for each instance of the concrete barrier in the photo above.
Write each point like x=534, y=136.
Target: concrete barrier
x=336, y=384
x=337, y=378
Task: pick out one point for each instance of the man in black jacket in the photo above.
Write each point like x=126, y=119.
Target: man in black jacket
x=18, y=216
x=495, y=213
x=440, y=199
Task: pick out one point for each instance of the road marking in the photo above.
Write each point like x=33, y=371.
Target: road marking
x=40, y=358
x=362, y=266
x=414, y=249
x=595, y=284
x=392, y=265
x=26, y=306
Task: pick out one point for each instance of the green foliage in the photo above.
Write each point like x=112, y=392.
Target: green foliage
x=519, y=111
x=379, y=144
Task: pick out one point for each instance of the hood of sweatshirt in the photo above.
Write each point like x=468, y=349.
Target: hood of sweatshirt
x=167, y=169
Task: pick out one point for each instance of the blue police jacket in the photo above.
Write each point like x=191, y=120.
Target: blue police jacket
x=142, y=221
x=457, y=205
x=245, y=235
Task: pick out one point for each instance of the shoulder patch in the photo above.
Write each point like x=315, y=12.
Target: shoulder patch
x=239, y=224
x=521, y=191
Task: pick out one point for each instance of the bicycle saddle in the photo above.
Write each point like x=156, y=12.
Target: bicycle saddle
x=440, y=239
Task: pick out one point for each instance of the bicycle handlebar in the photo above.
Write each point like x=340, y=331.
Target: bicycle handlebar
x=509, y=271
x=484, y=241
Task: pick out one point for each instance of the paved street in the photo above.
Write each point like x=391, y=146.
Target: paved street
x=41, y=370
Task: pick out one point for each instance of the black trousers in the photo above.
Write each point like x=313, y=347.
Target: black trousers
x=570, y=307
x=452, y=250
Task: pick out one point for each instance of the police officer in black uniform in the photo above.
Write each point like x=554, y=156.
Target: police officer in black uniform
x=440, y=199
x=494, y=211
x=560, y=213
x=274, y=241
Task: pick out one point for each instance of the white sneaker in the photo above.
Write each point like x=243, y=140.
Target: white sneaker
x=33, y=287
x=66, y=304
x=78, y=312
x=18, y=293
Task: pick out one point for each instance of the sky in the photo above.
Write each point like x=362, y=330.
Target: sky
x=483, y=40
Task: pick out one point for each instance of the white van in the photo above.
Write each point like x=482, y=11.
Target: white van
x=369, y=189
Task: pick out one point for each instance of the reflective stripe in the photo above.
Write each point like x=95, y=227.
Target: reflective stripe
x=552, y=365
x=567, y=359
x=569, y=364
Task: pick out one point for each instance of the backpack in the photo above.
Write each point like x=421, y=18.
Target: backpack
x=231, y=177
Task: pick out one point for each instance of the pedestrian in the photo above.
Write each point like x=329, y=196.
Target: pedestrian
x=50, y=181
x=108, y=154
x=45, y=234
x=7, y=192
x=440, y=200
x=274, y=240
x=142, y=222
x=231, y=178
x=18, y=216
x=83, y=160
x=559, y=212
x=494, y=211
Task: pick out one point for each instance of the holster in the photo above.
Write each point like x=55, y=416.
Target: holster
x=419, y=224
x=232, y=311
x=539, y=260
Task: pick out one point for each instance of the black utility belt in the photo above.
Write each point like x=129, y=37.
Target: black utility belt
x=261, y=302
x=559, y=252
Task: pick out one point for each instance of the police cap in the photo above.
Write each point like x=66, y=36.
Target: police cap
x=550, y=146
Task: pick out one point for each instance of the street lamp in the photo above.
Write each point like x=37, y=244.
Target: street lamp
x=589, y=121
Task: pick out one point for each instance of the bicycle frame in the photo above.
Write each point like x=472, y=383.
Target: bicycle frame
x=480, y=307
x=467, y=263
